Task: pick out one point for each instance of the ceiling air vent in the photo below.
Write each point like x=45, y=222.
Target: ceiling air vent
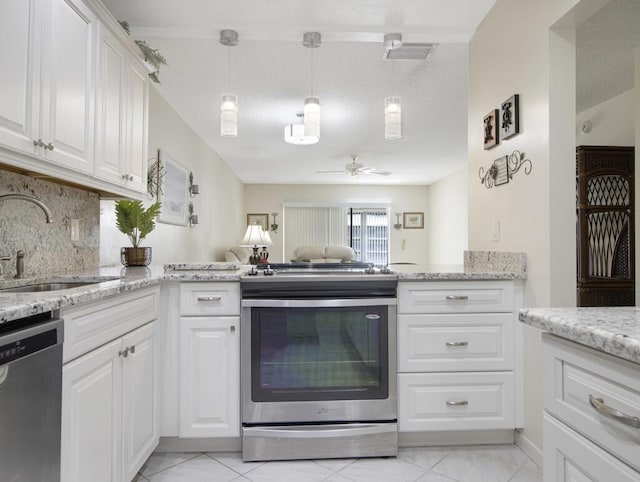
x=409, y=51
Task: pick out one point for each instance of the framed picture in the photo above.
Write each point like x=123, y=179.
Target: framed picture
x=413, y=220
x=491, y=131
x=173, y=192
x=510, y=117
x=259, y=219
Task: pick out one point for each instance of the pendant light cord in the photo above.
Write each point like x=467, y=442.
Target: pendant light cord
x=228, y=68
x=311, y=71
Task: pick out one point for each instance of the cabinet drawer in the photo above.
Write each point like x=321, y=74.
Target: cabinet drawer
x=455, y=296
x=451, y=342
x=576, y=376
x=214, y=298
x=90, y=325
x=455, y=401
x=569, y=457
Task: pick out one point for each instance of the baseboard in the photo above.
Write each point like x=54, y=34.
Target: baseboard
x=471, y=437
x=176, y=444
x=530, y=449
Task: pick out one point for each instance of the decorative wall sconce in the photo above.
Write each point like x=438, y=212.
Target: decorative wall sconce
x=194, y=189
x=503, y=169
x=398, y=224
x=193, y=218
x=274, y=225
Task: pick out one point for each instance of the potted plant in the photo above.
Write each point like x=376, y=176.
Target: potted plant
x=136, y=222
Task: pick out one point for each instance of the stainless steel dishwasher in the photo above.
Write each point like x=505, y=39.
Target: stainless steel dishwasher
x=30, y=398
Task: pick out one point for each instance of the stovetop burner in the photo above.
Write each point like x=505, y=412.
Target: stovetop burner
x=316, y=270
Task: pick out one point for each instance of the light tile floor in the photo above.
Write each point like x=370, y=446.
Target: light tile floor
x=495, y=463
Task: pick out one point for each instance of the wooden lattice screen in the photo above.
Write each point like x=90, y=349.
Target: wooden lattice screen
x=605, y=229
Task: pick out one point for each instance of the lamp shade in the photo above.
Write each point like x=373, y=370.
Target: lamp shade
x=229, y=115
x=312, y=117
x=256, y=236
x=392, y=118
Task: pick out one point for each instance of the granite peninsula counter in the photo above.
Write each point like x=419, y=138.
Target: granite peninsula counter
x=612, y=330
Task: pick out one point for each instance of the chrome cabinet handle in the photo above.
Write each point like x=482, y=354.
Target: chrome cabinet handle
x=457, y=403
x=127, y=177
x=48, y=146
x=132, y=349
x=232, y=328
x=209, y=298
x=38, y=143
x=124, y=353
x=457, y=343
x=457, y=297
x=604, y=409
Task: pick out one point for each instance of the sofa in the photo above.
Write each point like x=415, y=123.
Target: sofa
x=324, y=254
x=238, y=255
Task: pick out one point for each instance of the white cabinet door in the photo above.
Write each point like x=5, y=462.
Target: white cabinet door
x=69, y=44
x=19, y=55
x=139, y=402
x=209, y=376
x=111, y=108
x=136, y=144
x=569, y=457
x=91, y=416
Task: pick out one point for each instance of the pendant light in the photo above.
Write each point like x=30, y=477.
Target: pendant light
x=312, y=40
x=392, y=104
x=229, y=102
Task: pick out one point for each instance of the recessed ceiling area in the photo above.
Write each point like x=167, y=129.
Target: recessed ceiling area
x=605, y=45
x=271, y=73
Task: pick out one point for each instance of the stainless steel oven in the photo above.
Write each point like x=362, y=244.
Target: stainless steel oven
x=318, y=365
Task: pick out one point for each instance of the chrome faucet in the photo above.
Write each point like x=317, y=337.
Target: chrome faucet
x=31, y=199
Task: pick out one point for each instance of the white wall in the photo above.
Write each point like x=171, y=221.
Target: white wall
x=613, y=122
x=515, y=52
x=407, y=245
x=447, y=229
x=219, y=205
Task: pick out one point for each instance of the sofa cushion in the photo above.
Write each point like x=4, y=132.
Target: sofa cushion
x=308, y=253
x=344, y=254
x=241, y=253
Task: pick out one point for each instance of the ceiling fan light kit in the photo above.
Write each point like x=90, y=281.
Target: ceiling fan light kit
x=229, y=102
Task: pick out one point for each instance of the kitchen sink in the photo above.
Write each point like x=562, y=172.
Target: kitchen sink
x=55, y=286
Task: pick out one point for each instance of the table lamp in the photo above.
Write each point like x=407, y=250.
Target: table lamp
x=253, y=238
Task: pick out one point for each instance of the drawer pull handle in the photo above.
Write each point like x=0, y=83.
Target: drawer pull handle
x=457, y=297
x=209, y=298
x=457, y=403
x=124, y=353
x=232, y=328
x=602, y=408
x=457, y=343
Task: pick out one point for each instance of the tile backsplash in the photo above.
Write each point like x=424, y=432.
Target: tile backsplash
x=48, y=247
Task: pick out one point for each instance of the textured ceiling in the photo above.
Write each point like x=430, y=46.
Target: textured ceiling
x=270, y=71
x=604, y=53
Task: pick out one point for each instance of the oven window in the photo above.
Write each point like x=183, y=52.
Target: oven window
x=303, y=354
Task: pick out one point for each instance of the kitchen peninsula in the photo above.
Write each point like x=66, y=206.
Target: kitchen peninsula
x=591, y=373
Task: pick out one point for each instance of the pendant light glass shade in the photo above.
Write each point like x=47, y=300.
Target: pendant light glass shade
x=312, y=117
x=229, y=115
x=294, y=134
x=392, y=118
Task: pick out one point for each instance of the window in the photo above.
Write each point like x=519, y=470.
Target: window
x=366, y=230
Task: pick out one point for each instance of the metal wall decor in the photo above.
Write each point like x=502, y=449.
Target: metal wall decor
x=155, y=175
x=503, y=169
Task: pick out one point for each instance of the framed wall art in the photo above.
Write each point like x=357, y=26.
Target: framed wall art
x=510, y=117
x=491, y=131
x=259, y=219
x=413, y=220
x=173, y=192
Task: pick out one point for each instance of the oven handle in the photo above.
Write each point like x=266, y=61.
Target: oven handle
x=331, y=303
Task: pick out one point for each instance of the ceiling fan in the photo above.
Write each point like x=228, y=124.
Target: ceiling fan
x=355, y=168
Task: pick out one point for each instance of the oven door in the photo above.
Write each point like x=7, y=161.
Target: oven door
x=318, y=360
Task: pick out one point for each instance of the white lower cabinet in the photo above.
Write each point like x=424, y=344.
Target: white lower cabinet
x=209, y=360
x=591, y=412
x=209, y=376
x=109, y=402
x=458, y=349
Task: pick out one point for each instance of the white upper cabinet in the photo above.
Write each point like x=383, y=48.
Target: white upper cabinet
x=121, y=149
x=73, y=103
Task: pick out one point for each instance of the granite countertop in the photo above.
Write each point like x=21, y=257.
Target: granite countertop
x=104, y=282
x=453, y=272
x=614, y=330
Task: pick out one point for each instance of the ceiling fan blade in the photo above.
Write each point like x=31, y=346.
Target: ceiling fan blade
x=328, y=172
x=381, y=173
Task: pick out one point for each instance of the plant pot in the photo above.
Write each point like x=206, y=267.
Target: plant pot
x=135, y=256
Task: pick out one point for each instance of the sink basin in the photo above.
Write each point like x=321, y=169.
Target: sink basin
x=48, y=287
